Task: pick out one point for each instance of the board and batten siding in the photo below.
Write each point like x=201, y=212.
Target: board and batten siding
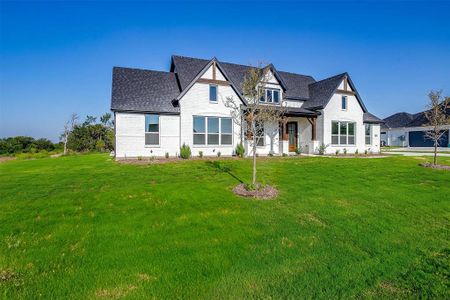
x=130, y=135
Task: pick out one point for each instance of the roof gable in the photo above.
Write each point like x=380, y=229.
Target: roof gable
x=321, y=91
x=201, y=72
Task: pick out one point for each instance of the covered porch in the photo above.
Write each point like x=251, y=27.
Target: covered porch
x=298, y=131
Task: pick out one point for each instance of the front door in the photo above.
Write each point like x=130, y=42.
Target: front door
x=292, y=133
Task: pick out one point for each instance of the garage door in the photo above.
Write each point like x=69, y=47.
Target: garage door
x=418, y=139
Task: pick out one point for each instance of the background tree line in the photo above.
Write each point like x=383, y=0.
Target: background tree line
x=90, y=135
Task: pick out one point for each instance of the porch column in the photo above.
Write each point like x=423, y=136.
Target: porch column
x=284, y=137
x=312, y=121
x=313, y=144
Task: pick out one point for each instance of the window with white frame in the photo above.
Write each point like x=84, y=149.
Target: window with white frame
x=213, y=93
x=368, y=130
x=199, y=131
x=344, y=103
x=270, y=96
x=343, y=133
x=212, y=131
x=152, y=130
x=226, y=131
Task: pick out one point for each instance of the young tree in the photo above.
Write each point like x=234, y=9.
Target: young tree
x=437, y=118
x=68, y=128
x=256, y=115
x=106, y=119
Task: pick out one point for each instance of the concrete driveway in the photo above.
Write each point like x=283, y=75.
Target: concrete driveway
x=415, y=153
x=418, y=151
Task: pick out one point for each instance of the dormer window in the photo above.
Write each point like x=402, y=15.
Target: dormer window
x=344, y=103
x=212, y=93
x=271, y=96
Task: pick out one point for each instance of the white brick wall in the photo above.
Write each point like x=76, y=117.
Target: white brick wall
x=196, y=103
x=130, y=136
x=334, y=112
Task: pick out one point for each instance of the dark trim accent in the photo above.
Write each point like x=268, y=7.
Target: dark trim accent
x=213, y=81
x=312, y=121
x=345, y=92
x=277, y=76
x=197, y=77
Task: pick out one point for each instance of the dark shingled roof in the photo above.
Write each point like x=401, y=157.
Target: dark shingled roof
x=404, y=119
x=369, y=118
x=321, y=91
x=144, y=90
x=401, y=119
x=187, y=68
x=297, y=85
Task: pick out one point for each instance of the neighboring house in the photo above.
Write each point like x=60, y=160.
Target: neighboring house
x=156, y=112
x=408, y=130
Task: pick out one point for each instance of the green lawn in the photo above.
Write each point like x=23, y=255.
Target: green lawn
x=87, y=227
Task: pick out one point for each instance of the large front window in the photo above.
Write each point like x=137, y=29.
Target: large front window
x=212, y=131
x=342, y=133
x=152, y=130
x=368, y=130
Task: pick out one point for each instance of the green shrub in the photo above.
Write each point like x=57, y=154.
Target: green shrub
x=284, y=154
x=356, y=152
x=139, y=157
x=218, y=154
x=167, y=154
x=321, y=149
x=185, y=151
x=29, y=155
x=240, y=150
x=200, y=154
x=345, y=151
x=100, y=146
x=337, y=152
x=299, y=150
x=365, y=152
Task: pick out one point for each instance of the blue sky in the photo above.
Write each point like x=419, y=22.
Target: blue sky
x=56, y=57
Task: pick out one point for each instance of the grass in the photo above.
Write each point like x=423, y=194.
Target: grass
x=87, y=227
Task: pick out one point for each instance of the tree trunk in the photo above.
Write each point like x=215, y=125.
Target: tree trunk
x=254, y=160
x=435, y=153
x=65, y=144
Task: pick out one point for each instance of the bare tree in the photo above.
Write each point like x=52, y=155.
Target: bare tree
x=68, y=127
x=437, y=118
x=256, y=115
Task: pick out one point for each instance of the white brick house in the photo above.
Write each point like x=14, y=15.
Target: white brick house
x=156, y=112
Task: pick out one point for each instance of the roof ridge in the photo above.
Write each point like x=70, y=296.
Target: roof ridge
x=295, y=73
x=241, y=65
x=332, y=77
x=140, y=69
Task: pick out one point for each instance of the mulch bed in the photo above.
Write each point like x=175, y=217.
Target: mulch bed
x=265, y=193
x=163, y=160
x=439, y=167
